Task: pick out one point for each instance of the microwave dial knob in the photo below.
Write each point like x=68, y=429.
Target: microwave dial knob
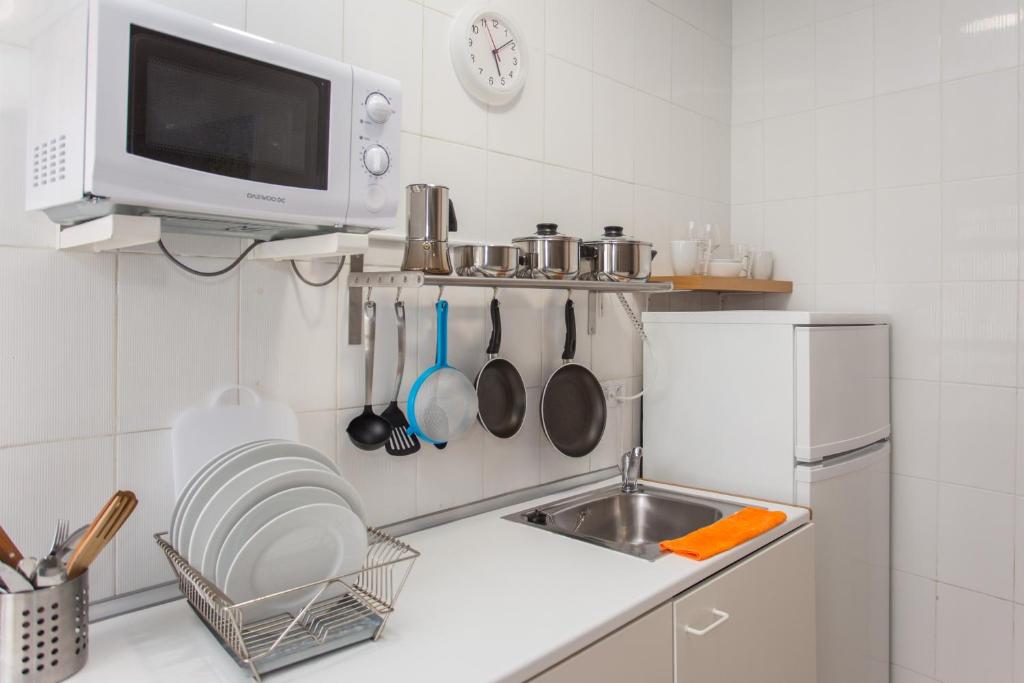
x=376, y=160
x=378, y=108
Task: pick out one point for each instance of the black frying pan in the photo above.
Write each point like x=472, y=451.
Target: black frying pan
x=573, y=411
x=500, y=390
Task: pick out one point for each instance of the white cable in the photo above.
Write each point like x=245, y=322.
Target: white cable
x=635, y=319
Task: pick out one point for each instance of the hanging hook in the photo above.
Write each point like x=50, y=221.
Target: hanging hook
x=440, y=293
x=369, y=293
x=398, y=294
x=568, y=295
x=494, y=295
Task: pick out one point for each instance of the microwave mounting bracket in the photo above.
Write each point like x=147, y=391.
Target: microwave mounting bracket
x=109, y=233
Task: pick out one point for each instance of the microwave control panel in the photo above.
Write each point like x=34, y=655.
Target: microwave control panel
x=376, y=134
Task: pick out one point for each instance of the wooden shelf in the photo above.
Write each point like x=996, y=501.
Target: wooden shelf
x=706, y=283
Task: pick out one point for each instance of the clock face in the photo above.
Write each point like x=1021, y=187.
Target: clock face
x=489, y=56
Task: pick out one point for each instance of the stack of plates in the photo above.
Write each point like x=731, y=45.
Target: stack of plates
x=269, y=516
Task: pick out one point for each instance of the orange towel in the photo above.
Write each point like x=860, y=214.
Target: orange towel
x=725, y=533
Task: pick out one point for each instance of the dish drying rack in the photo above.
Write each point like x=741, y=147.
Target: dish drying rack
x=321, y=626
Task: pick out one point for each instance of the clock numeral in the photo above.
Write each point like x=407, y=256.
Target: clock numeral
x=512, y=47
x=510, y=75
x=494, y=23
x=472, y=57
x=506, y=33
x=515, y=61
x=470, y=42
x=490, y=80
x=503, y=80
x=480, y=69
x=476, y=29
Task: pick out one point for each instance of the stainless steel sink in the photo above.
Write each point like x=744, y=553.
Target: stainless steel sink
x=633, y=523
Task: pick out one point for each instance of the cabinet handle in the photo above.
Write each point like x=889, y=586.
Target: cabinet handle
x=722, y=618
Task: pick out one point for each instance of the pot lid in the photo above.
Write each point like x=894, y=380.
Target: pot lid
x=546, y=232
x=613, y=234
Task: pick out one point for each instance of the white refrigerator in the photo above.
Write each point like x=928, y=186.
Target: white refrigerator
x=793, y=407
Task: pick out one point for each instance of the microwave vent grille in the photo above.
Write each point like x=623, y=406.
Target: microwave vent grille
x=49, y=161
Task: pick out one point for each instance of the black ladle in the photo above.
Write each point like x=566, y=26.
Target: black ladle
x=368, y=430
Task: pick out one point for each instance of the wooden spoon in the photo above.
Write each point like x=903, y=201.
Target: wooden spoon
x=101, y=531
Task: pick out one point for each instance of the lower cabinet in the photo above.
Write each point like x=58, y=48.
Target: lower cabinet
x=751, y=622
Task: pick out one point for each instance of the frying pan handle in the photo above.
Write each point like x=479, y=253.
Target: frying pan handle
x=442, y=332
x=570, y=332
x=495, y=344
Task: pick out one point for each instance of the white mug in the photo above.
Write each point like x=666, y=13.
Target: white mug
x=686, y=256
x=762, y=264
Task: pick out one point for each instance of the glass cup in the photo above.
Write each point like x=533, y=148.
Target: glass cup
x=687, y=256
x=762, y=263
x=741, y=252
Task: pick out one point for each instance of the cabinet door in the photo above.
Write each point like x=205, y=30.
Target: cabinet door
x=752, y=622
x=639, y=651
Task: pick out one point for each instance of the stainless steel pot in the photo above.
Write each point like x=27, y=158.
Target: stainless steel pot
x=486, y=260
x=616, y=257
x=557, y=256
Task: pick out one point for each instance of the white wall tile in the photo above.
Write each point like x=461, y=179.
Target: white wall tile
x=1018, y=564
x=747, y=21
x=979, y=332
x=568, y=119
x=844, y=58
x=691, y=11
x=1018, y=643
x=979, y=229
x=844, y=298
x=979, y=561
x=654, y=51
x=915, y=311
x=452, y=476
x=144, y=466
x=977, y=436
x=386, y=484
x=915, y=505
x=654, y=214
x=613, y=203
x=61, y=479
x=449, y=112
x=320, y=430
x=978, y=36
x=567, y=199
x=789, y=232
x=518, y=127
x=715, y=161
x=747, y=224
x=652, y=164
x=915, y=428
x=229, y=12
x=825, y=9
x=974, y=637
x=845, y=148
x=789, y=156
x=313, y=25
x=613, y=129
x=686, y=148
x=785, y=15
x=845, y=238
x=901, y=675
x=468, y=329
x=464, y=170
x=717, y=79
x=57, y=342
x=913, y=622
x=908, y=234
x=17, y=226
x=789, y=72
x=747, y=82
x=614, y=39
x=188, y=350
x=512, y=464
x=515, y=196
x=570, y=28
x=716, y=20
x=748, y=163
x=687, y=65
x=521, y=319
x=908, y=37
x=979, y=141
x=907, y=137
x=288, y=346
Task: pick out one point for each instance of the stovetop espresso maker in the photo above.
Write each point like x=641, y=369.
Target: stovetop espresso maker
x=429, y=217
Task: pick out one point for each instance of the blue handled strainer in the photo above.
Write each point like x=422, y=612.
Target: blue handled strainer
x=442, y=403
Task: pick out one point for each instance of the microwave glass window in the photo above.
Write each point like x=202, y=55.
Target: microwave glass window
x=206, y=109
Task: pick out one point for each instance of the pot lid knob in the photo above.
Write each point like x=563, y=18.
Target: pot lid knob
x=613, y=231
x=547, y=228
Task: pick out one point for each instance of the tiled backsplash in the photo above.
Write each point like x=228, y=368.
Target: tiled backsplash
x=99, y=353
x=875, y=150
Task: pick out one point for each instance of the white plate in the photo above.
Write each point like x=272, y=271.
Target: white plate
x=234, y=498
x=231, y=466
x=240, y=501
x=189, y=489
x=258, y=515
x=296, y=548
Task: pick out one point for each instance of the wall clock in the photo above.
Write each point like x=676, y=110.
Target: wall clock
x=489, y=54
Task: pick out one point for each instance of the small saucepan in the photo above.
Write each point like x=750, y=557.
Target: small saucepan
x=573, y=412
x=500, y=390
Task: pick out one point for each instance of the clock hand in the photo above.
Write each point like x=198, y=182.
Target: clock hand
x=499, y=49
x=494, y=54
x=495, y=50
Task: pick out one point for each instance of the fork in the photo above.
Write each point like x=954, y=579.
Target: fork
x=50, y=571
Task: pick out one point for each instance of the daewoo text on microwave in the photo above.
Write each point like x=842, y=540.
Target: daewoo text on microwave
x=143, y=110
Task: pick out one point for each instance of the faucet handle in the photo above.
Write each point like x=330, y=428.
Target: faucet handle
x=629, y=467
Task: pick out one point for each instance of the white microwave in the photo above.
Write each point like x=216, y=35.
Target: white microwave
x=143, y=110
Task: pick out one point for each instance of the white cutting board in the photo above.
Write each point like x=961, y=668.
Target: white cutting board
x=203, y=432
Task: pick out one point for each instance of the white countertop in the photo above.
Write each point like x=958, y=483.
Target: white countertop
x=488, y=600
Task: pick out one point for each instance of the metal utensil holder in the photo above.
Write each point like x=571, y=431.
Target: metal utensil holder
x=322, y=625
x=44, y=633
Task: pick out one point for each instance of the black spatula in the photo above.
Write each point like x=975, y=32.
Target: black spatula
x=400, y=441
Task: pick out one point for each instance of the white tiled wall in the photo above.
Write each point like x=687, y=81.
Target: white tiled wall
x=876, y=151
x=625, y=120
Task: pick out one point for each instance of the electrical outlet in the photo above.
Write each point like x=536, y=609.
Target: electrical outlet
x=614, y=389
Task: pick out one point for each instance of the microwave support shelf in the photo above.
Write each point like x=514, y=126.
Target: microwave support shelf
x=358, y=280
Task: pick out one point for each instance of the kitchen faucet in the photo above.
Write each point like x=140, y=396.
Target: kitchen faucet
x=630, y=469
